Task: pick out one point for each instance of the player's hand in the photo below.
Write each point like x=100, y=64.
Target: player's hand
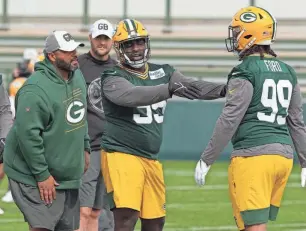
x=200, y=172
x=186, y=90
x=303, y=177
x=47, y=190
x=87, y=160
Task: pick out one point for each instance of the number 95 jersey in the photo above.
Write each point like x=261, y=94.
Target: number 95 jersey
x=136, y=130
x=265, y=119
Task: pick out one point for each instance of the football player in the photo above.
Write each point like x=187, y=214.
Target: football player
x=263, y=111
x=134, y=96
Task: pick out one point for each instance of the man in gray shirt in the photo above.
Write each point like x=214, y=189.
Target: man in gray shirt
x=92, y=192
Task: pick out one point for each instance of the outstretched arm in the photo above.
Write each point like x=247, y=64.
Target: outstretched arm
x=208, y=90
x=122, y=92
x=237, y=102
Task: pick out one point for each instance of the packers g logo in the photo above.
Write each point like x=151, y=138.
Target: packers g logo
x=75, y=112
x=248, y=17
x=94, y=95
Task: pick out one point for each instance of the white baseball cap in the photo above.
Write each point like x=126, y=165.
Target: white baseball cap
x=101, y=27
x=61, y=40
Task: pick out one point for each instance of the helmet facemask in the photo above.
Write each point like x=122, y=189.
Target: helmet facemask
x=124, y=57
x=235, y=34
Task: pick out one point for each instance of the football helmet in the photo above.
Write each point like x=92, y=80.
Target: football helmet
x=250, y=26
x=127, y=30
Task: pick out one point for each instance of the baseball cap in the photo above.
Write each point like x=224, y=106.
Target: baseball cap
x=101, y=27
x=61, y=40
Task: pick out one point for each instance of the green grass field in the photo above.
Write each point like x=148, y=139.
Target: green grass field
x=191, y=208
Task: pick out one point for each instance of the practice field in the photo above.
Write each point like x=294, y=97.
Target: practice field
x=191, y=208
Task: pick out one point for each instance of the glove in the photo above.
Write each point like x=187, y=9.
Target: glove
x=200, y=172
x=186, y=90
x=303, y=177
x=2, y=144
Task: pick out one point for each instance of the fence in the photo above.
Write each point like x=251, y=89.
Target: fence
x=188, y=126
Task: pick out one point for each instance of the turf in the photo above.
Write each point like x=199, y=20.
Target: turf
x=191, y=208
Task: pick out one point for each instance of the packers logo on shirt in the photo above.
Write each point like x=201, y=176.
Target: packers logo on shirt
x=75, y=112
x=94, y=95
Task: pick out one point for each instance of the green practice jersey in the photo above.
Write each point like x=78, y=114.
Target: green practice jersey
x=265, y=119
x=135, y=130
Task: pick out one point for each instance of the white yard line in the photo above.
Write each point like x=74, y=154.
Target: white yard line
x=213, y=187
x=191, y=173
x=211, y=173
x=190, y=187
x=10, y=220
x=216, y=205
